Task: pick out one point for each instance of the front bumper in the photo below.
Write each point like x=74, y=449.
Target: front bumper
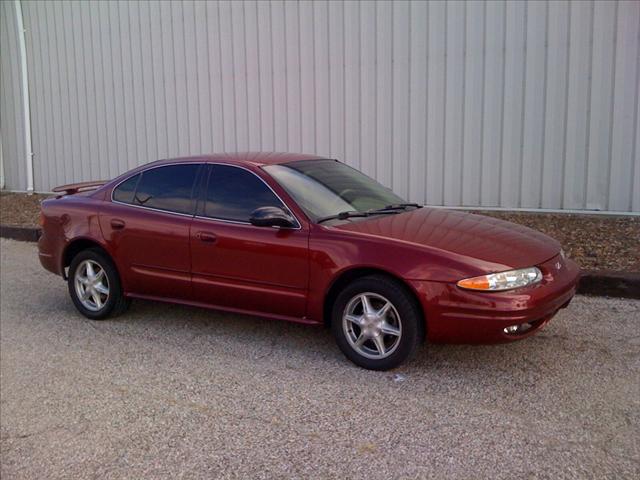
x=455, y=315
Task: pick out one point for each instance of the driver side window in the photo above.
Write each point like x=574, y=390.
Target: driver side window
x=233, y=193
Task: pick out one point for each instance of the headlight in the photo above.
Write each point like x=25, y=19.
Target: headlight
x=503, y=280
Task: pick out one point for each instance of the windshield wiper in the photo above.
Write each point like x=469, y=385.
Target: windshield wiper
x=354, y=213
x=401, y=206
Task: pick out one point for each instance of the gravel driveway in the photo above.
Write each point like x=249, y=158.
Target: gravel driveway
x=175, y=392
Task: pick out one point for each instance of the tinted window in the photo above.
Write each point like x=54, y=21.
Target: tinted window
x=167, y=188
x=124, y=191
x=233, y=193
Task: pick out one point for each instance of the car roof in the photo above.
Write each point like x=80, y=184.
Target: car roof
x=252, y=158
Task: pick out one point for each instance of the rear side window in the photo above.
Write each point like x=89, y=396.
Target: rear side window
x=168, y=188
x=233, y=193
x=124, y=192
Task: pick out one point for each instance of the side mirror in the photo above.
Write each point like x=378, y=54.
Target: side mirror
x=272, y=217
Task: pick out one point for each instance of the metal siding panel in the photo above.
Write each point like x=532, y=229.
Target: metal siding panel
x=473, y=103
x=534, y=104
x=214, y=61
x=199, y=43
x=147, y=82
x=635, y=176
x=181, y=75
x=119, y=104
x=265, y=66
x=493, y=117
x=352, y=83
x=19, y=172
x=322, y=96
x=445, y=106
x=513, y=104
x=227, y=70
x=192, y=79
x=160, y=100
x=80, y=118
x=307, y=77
x=556, y=106
x=436, y=92
x=577, y=104
x=114, y=162
x=98, y=129
x=384, y=99
x=70, y=88
x=367, y=99
x=253, y=76
x=130, y=95
x=401, y=86
x=418, y=103
x=279, y=76
x=34, y=60
x=625, y=99
x=292, y=70
x=454, y=101
x=168, y=72
x=336, y=80
x=60, y=161
x=10, y=108
x=601, y=105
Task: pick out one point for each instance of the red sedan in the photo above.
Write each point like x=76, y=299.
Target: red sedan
x=306, y=239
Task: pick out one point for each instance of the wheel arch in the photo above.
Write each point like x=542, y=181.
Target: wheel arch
x=347, y=276
x=76, y=246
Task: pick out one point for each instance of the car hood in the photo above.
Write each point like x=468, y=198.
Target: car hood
x=496, y=244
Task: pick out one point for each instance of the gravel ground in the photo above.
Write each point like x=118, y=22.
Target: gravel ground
x=595, y=242
x=176, y=392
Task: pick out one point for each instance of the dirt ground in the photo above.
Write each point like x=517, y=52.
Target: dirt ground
x=596, y=242
x=20, y=209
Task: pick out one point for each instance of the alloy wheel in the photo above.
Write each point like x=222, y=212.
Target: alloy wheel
x=372, y=325
x=92, y=285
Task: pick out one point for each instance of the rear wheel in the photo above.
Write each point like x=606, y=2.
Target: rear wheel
x=376, y=322
x=94, y=285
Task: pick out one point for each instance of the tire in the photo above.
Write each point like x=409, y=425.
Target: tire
x=358, y=334
x=97, y=305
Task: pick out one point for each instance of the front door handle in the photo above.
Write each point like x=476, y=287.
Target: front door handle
x=117, y=224
x=206, y=237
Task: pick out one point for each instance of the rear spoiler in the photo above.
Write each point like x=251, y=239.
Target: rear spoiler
x=73, y=188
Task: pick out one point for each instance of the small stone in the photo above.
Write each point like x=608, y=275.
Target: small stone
x=399, y=377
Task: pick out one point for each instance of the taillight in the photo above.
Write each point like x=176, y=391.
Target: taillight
x=41, y=219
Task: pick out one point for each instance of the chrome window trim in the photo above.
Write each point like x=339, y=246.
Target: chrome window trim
x=224, y=220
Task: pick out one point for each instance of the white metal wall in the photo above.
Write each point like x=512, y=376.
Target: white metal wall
x=508, y=104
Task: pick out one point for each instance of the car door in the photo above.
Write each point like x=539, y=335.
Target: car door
x=147, y=226
x=239, y=266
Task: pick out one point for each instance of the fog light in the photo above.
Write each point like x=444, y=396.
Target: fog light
x=511, y=329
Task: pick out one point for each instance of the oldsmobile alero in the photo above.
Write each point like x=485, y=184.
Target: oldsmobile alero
x=305, y=239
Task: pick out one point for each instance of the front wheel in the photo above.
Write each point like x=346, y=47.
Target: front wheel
x=94, y=285
x=376, y=322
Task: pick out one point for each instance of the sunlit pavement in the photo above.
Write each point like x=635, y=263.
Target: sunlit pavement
x=165, y=391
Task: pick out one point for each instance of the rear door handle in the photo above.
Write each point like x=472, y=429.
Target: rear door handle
x=117, y=224
x=206, y=237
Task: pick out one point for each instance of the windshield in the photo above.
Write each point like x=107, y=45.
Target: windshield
x=323, y=188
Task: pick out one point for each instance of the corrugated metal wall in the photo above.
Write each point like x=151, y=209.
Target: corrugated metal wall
x=459, y=103
x=11, y=114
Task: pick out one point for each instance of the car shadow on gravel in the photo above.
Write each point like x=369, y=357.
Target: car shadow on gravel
x=249, y=336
